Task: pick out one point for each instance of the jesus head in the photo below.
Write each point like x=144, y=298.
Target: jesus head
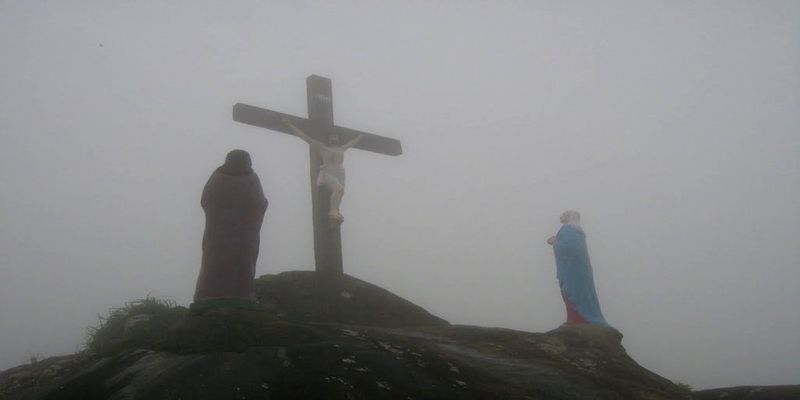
x=333, y=140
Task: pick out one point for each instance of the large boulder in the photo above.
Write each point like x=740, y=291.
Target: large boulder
x=307, y=296
x=342, y=340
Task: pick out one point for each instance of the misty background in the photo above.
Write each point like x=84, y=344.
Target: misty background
x=673, y=127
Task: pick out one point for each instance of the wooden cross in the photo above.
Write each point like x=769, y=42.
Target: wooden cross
x=327, y=235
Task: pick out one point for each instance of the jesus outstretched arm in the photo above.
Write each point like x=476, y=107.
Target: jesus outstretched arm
x=302, y=135
x=352, y=142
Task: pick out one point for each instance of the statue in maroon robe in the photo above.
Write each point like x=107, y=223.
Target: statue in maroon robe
x=234, y=204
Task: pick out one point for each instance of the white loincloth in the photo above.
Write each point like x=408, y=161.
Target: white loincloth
x=331, y=176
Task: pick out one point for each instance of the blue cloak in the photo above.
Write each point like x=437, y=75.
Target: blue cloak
x=574, y=273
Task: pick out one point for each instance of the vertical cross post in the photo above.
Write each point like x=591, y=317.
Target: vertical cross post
x=327, y=235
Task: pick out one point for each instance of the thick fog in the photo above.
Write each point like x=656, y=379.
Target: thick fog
x=673, y=127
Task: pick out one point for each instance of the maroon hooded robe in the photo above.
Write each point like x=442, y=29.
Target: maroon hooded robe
x=234, y=205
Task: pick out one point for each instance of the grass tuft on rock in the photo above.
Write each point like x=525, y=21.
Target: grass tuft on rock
x=159, y=324
x=139, y=323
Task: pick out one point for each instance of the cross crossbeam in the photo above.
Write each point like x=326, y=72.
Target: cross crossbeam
x=273, y=120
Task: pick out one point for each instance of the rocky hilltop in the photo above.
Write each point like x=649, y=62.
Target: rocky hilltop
x=339, y=338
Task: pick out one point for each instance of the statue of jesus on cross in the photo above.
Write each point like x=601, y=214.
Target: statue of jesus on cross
x=325, y=158
x=331, y=170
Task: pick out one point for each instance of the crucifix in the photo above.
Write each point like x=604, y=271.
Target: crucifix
x=318, y=126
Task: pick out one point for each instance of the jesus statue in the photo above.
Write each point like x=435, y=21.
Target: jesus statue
x=331, y=170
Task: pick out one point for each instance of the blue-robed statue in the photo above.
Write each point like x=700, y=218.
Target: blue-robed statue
x=574, y=272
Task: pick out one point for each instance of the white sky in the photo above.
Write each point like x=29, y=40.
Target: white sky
x=672, y=126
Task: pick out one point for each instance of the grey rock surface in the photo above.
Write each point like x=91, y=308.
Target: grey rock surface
x=312, y=342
